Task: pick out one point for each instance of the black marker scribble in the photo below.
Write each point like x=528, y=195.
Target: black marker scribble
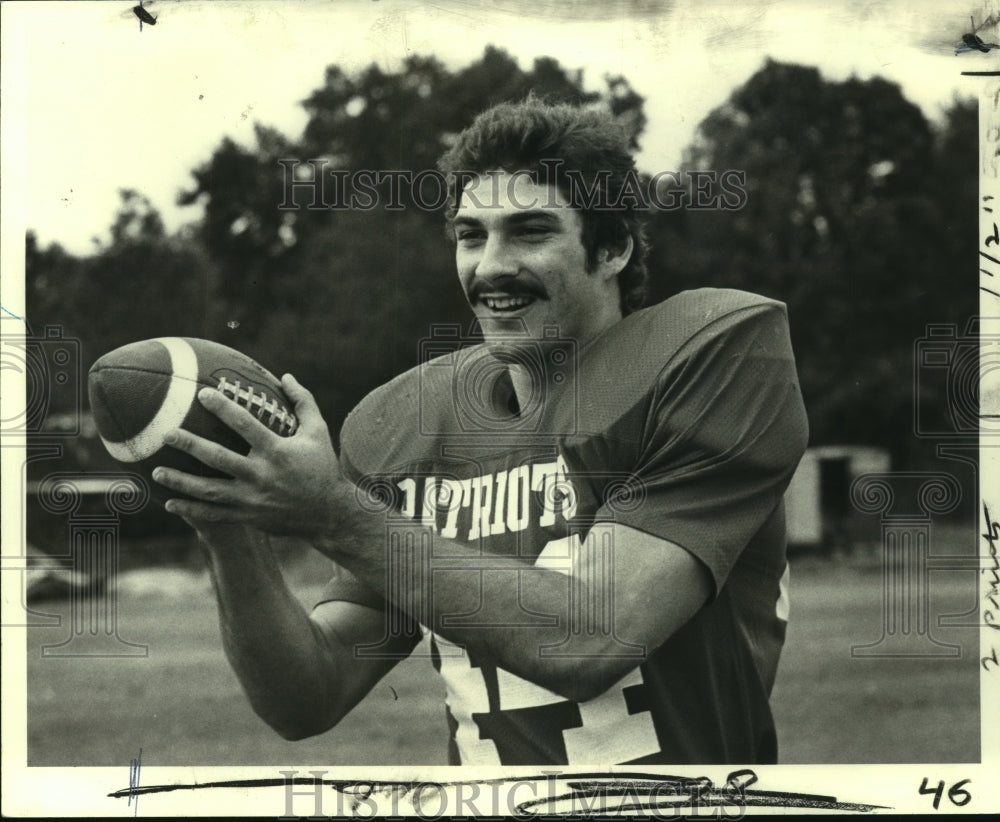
x=973, y=42
x=143, y=15
x=587, y=792
x=630, y=792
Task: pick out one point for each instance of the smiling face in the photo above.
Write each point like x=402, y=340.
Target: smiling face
x=523, y=265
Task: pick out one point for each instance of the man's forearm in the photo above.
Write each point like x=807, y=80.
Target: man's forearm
x=515, y=610
x=272, y=645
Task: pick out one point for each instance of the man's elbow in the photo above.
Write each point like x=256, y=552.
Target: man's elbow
x=296, y=730
x=298, y=725
x=296, y=733
x=586, y=679
x=582, y=690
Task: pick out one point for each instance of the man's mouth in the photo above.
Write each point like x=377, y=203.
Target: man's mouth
x=505, y=303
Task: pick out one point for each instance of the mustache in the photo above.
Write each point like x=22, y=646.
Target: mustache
x=512, y=288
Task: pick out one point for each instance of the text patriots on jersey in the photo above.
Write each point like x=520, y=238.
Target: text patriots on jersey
x=487, y=505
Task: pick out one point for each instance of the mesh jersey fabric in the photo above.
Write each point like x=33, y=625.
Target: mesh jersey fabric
x=684, y=421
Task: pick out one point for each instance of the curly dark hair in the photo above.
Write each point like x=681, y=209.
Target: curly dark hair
x=583, y=151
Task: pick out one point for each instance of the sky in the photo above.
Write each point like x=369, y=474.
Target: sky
x=106, y=106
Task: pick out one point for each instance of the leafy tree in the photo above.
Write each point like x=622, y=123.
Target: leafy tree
x=845, y=221
x=143, y=284
x=857, y=215
x=49, y=271
x=243, y=229
x=343, y=296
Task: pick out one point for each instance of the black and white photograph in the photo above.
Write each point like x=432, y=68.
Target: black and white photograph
x=458, y=409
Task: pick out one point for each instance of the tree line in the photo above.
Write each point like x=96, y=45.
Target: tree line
x=845, y=202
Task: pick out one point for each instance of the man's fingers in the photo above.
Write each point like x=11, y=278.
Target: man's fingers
x=194, y=512
x=209, y=453
x=203, y=488
x=306, y=408
x=236, y=417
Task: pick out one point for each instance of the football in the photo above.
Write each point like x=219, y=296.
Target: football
x=143, y=390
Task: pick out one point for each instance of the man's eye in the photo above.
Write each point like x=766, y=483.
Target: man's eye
x=534, y=232
x=469, y=235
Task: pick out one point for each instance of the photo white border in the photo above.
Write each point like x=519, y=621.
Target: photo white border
x=84, y=791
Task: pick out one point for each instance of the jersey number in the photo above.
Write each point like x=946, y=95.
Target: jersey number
x=608, y=732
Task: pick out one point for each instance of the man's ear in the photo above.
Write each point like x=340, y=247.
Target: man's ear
x=611, y=261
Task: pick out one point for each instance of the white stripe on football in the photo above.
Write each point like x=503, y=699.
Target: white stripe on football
x=143, y=390
x=174, y=408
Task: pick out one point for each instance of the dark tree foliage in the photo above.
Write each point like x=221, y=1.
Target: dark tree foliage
x=343, y=296
x=243, y=229
x=143, y=284
x=857, y=216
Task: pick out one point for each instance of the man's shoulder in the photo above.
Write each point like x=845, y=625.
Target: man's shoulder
x=406, y=420
x=690, y=313
x=646, y=343
x=401, y=421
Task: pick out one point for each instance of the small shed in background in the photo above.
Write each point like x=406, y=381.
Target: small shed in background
x=818, y=506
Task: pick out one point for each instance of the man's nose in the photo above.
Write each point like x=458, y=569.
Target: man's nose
x=497, y=261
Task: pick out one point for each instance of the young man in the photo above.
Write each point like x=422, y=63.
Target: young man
x=584, y=512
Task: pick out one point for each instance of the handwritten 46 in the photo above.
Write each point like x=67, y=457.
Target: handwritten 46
x=957, y=795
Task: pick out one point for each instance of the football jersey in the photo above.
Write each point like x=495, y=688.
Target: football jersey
x=684, y=421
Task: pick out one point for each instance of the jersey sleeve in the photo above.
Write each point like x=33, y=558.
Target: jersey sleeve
x=725, y=431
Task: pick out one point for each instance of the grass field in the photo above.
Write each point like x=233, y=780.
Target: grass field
x=183, y=706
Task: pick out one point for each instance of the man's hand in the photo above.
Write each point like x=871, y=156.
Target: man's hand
x=284, y=485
